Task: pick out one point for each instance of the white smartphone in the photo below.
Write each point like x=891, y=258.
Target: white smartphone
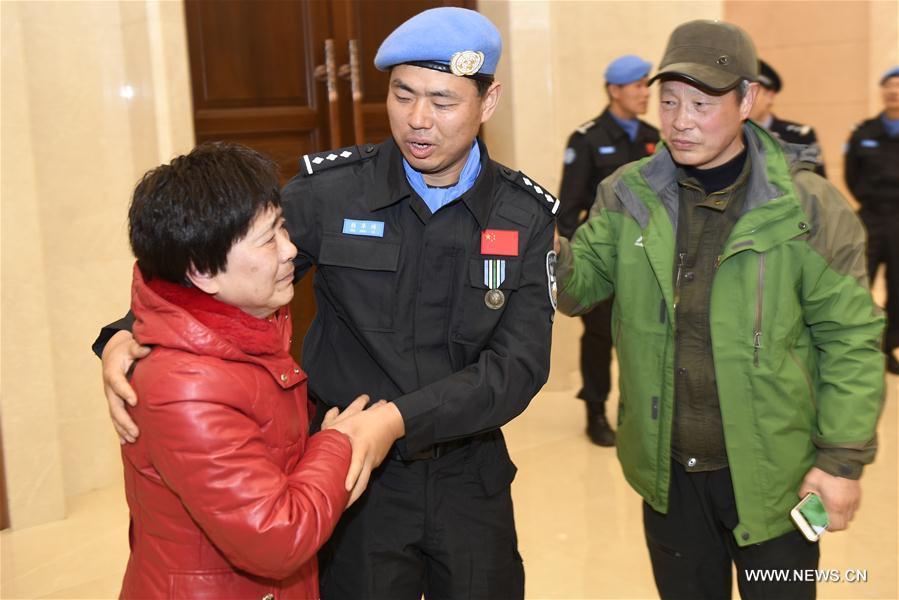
x=810, y=517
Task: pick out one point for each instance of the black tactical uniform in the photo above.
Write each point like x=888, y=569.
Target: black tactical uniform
x=405, y=313
x=796, y=133
x=595, y=150
x=872, y=175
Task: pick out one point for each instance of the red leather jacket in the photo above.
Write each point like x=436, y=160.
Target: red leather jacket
x=229, y=497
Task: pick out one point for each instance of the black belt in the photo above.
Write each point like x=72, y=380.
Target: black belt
x=431, y=452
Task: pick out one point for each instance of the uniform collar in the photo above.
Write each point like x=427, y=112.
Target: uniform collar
x=660, y=172
x=390, y=185
x=612, y=127
x=887, y=125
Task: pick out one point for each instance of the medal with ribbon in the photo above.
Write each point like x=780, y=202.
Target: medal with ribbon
x=494, y=275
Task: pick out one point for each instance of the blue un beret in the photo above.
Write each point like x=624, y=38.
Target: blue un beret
x=450, y=39
x=894, y=72
x=626, y=69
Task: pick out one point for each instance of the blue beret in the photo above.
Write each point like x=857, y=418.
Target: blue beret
x=626, y=69
x=894, y=72
x=456, y=40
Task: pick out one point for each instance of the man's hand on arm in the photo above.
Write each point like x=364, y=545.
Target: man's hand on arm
x=119, y=354
x=372, y=432
x=841, y=496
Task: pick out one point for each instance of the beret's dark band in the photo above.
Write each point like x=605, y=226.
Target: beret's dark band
x=444, y=68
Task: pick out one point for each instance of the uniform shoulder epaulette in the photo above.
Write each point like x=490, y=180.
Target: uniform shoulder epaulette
x=548, y=201
x=312, y=164
x=585, y=127
x=865, y=123
x=799, y=128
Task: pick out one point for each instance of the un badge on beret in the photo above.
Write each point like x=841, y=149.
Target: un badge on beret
x=467, y=62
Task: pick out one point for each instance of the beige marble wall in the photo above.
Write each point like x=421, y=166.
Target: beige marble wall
x=94, y=94
x=29, y=415
x=830, y=65
x=554, y=57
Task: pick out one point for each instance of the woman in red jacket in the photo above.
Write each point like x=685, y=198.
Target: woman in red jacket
x=229, y=497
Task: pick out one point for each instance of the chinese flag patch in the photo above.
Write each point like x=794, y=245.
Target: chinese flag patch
x=650, y=147
x=499, y=242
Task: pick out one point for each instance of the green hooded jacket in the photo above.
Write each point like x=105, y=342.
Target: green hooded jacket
x=795, y=332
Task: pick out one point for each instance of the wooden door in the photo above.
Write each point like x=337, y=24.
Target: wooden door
x=252, y=75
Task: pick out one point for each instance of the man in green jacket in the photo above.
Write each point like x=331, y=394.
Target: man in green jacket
x=748, y=341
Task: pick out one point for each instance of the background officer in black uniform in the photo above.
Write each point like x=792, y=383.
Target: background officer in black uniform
x=872, y=175
x=788, y=131
x=595, y=150
x=435, y=291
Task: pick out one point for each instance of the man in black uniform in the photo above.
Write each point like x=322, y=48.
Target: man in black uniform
x=435, y=290
x=872, y=175
x=595, y=150
x=788, y=131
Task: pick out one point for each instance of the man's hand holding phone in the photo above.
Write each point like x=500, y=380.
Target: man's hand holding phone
x=839, y=496
x=810, y=517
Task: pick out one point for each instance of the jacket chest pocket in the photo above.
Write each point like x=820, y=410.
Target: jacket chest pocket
x=361, y=276
x=483, y=306
x=606, y=159
x=872, y=157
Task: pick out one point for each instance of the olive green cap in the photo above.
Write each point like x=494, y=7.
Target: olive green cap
x=712, y=55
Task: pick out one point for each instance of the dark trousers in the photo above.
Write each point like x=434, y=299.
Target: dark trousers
x=883, y=249
x=596, y=355
x=441, y=527
x=693, y=546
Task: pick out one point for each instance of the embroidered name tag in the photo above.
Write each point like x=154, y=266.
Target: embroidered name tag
x=369, y=228
x=607, y=149
x=869, y=143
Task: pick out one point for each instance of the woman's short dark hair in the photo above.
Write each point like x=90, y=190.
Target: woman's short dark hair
x=192, y=210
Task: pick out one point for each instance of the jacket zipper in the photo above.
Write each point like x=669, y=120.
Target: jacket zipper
x=681, y=258
x=757, y=333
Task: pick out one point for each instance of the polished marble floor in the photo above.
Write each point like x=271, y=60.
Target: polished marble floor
x=579, y=523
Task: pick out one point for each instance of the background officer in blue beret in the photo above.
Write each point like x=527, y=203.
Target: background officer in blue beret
x=872, y=175
x=788, y=131
x=595, y=150
x=435, y=290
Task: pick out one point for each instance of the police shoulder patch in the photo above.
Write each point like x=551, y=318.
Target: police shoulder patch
x=551, y=283
x=548, y=201
x=311, y=164
x=800, y=129
x=585, y=127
